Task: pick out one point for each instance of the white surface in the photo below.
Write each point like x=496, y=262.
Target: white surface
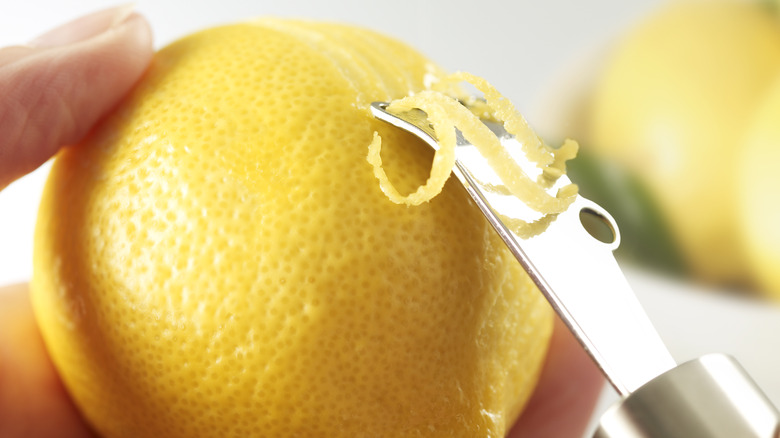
x=520, y=46
x=694, y=321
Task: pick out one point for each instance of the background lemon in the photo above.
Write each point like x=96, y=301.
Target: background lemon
x=759, y=190
x=217, y=258
x=672, y=106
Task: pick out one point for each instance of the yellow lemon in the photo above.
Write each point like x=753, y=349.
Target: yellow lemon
x=217, y=258
x=672, y=106
x=759, y=190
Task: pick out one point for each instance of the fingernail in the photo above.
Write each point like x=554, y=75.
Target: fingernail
x=84, y=28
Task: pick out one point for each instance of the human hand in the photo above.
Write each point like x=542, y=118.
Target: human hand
x=54, y=92
x=57, y=87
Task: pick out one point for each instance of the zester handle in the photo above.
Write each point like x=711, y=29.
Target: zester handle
x=709, y=397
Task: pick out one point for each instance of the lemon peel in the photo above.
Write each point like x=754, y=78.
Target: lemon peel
x=446, y=113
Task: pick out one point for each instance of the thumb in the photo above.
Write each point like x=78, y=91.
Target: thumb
x=56, y=88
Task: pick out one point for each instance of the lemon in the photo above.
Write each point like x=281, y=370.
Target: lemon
x=759, y=186
x=217, y=258
x=672, y=107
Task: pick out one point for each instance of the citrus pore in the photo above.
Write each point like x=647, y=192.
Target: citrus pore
x=217, y=258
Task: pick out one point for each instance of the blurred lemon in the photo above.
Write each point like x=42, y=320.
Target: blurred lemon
x=672, y=107
x=759, y=189
x=217, y=258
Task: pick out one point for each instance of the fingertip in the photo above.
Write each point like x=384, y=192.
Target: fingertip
x=139, y=37
x=84, y=27
x=566, y=394
x=33, y=401
x=53, y=94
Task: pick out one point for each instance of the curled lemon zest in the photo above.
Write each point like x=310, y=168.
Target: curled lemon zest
x=514, y=123
x=443, y=159
x=525, y=229
x=445, y=113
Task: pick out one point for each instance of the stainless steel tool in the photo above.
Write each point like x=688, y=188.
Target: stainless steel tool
x=712, y=396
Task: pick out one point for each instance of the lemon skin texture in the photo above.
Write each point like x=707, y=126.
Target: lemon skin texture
x=759, y=194
x=672, y=107
x=217, y=258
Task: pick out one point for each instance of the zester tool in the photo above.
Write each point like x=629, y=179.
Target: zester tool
x=709, y=397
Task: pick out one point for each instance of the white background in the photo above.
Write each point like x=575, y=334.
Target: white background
x=525, y=48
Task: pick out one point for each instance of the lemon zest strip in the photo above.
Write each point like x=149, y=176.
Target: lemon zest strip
x=443, y=159
x=445, y=113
